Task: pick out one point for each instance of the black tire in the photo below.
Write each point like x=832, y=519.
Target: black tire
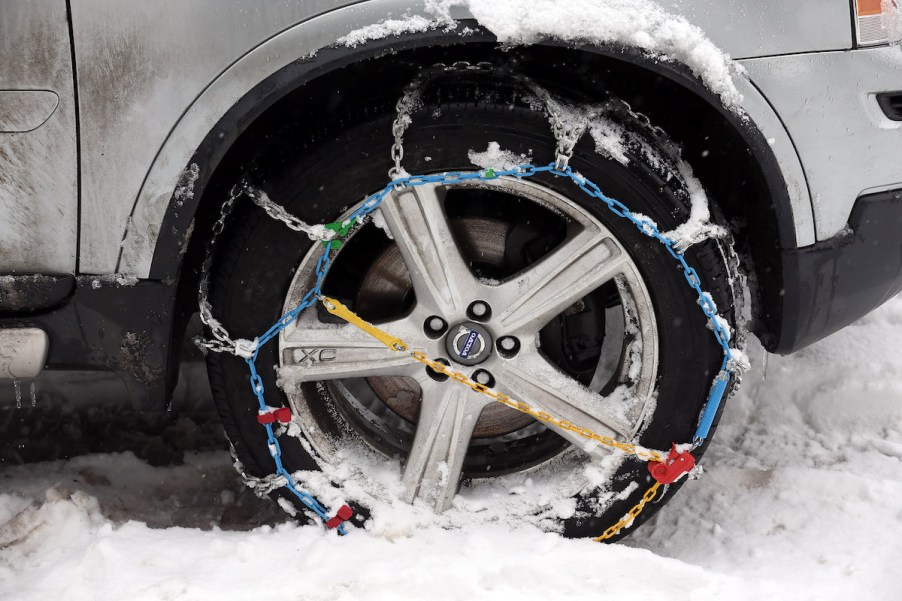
x=319, y=180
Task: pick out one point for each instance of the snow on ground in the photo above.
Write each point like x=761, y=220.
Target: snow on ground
x=801, y=499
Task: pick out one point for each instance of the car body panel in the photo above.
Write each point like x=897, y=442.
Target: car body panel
x=226, y=91
x=38, y=144
x=180, y=129
x=827, y=100
x=167, y=94
x=142, y=66
x=769, y=27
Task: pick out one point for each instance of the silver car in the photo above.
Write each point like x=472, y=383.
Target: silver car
x=605, y=198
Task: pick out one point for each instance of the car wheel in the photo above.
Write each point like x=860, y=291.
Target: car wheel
x=575, y=312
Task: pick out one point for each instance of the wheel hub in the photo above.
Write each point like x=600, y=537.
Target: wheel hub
x=468, y=343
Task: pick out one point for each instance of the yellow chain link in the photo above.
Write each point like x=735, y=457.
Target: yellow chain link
x=336, y=308
x=542, y=416
x=396, y=344
x=631, y=515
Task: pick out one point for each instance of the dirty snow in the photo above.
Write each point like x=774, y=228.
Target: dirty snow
x=184, y=190
x=116, y=279
x=635, y=23
x=799, y=500
x=13, y=295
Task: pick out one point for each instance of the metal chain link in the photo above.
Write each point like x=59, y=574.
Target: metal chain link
x=630, y=449
x=631, y=515
x=260, y=486
x=410, y=99
x=315, y=232
x=565, y=135
x=222, y=342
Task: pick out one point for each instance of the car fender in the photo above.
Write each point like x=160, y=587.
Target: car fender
x=262, y=75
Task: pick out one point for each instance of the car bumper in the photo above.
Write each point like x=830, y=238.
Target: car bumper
x=829, y=285
x=829, y=103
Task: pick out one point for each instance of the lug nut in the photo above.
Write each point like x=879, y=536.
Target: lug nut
x=483, y=377
x=435, y=326
x=508, y=346
x=479, y=310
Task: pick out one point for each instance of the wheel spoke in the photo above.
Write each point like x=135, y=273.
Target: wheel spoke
x=448, y=414
x=534, y=380
x=312, y=350
x=577, y=267
x=417, y=221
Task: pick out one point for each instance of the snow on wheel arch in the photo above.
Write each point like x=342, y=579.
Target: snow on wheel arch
x=641, y=24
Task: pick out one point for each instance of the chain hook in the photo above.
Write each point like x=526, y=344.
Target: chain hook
x=562, y=160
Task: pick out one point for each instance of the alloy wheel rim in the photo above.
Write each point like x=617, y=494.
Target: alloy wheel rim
x=446, y=288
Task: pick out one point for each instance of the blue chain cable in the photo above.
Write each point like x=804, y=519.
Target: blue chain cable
x=370, y=203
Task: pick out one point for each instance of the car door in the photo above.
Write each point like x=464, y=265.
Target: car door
x=38, y=139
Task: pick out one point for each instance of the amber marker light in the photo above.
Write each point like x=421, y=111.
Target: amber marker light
x=870, y=25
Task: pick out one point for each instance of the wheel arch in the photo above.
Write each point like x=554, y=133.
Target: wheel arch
x=177, y=203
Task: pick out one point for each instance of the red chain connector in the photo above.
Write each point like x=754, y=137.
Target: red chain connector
x=673, y=467
x=343, y=514
x=281, y=415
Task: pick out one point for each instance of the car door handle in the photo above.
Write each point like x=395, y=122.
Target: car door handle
x=891, y=104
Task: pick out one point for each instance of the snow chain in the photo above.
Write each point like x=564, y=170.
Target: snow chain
x=664, y=467
x=396, y=344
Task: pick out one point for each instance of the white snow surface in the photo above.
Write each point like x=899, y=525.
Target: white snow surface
x=379, y=221
x=799, y=500
x=698, y=227
x=494, y=157
x=608, y=138
x=641, y=24
x=389, y=27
